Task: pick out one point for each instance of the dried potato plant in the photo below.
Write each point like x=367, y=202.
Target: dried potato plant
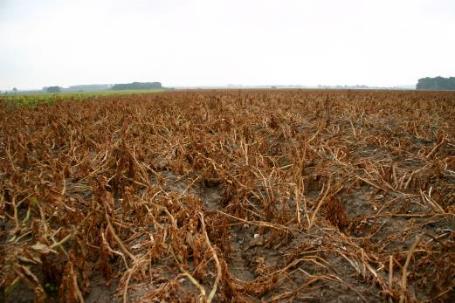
x=229, y=196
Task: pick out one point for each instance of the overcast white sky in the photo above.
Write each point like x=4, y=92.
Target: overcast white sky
x=211, y=42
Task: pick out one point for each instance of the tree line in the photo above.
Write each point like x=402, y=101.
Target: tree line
x=437, y=83
x=137, y=85
x=100, y=87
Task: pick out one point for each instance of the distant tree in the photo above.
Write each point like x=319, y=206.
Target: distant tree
x=53, y=89
x=14, y=90
x=137, y=85
x=437, y=83
x=88, y=87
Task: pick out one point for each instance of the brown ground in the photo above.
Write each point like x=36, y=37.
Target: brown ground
x=230, y=196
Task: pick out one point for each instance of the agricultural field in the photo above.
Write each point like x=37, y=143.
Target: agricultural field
x=229, y=196
x=34, y=98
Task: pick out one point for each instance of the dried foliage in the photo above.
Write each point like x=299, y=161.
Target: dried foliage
x=229, y=196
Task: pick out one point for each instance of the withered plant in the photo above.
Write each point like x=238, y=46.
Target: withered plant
x=229, y=196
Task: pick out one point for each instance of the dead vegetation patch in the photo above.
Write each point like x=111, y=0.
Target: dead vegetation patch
x=230, y=196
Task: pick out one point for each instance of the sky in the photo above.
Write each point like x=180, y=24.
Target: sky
x=217, y=42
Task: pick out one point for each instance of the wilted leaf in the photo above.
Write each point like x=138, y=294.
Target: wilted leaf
x=43, y=248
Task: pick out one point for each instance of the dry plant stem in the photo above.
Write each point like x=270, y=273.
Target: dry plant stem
x=390, y=275
x=202, y=291
x=353, y=128
x=215, y=257
x=404, y=275
x=305, y=208
x=119, y=241
x=62, y=241
x=32, y=281
x=203, y=295
x=103, y=237
x=125, y=290
x=258, y=223
x=321, y=201
x=371, y=183
x=391, y=272
x=435, y=149
x=15, y=215
x=435, y=205
x=76, y=287
x=297, y=203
